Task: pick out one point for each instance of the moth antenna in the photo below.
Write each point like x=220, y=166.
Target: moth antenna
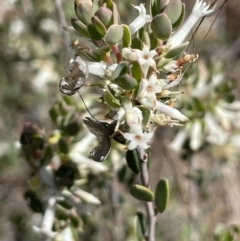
x=87, y=107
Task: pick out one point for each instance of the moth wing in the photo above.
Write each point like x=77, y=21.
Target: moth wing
x=103, y=131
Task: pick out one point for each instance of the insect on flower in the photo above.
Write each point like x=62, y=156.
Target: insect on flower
x=78, y=74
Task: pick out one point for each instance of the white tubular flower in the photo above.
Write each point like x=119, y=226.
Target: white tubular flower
x=177, y=143
x=133, y=114
x=150, y=87
x=196, y=135
x=168, y=110
x=101, y=69
x=48, y=220
x=137, y=137
x=141, y=20
x=200, y=9
x=216, y=134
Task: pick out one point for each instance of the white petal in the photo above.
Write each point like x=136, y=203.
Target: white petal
x=132, y=145
x=129, y=136
x=147, y=136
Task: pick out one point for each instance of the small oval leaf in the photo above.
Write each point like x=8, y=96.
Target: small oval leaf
x=161, y=26
x=132, y=161
x=114, y=35
x=63, y=145
x=173, y=10
x=84, y=13
x=99, y=25
x=126, y=40
x=141, y=193
x=175, y=51
x=79, y=27
x=126, y=81
x=105, y=15
x=162, y=195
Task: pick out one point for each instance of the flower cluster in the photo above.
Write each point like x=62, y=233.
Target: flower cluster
x=210, y=103
x=138, y=64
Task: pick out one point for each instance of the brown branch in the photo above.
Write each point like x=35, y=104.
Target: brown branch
x=142, y=156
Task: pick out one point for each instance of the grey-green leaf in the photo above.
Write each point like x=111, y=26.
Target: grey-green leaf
x=161, y=26
x=114, y=35
x=173, y=10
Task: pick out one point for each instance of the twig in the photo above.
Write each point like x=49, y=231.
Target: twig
x=149, y=205
x=63, y=23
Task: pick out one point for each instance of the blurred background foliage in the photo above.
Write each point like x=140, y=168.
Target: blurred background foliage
x=205, y=191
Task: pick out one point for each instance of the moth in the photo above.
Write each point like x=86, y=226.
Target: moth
x=78, y=74
x=103, y=131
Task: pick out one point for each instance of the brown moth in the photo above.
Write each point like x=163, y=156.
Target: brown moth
x=78, y=74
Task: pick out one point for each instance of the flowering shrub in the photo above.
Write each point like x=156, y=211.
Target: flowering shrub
x=137, y=66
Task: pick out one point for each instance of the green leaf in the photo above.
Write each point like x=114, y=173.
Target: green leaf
x=146, y=115
x=133, y=161
x=139, y=226
x=121, y=69
x=180, y=20
x=53, y=113
x=95, y=55
x=95, y=36
x=99, y=25
x=136, y=70
x=72, y=128
x=111, y=101
x=136, y=43
x=48, y=153
x=161, y=26
x=141, y=193
x=173, y=10
x=80, y=27
x=63, y=145
x=114, y=35
x=126, y=40
x=153, y=41
x=84, y=13
x=105, y=15
x=142, y=221
x=75, y=220
x=174, y=52
x=161, y=4
x=126, y=81
x=162, y=195
x=114, y=94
